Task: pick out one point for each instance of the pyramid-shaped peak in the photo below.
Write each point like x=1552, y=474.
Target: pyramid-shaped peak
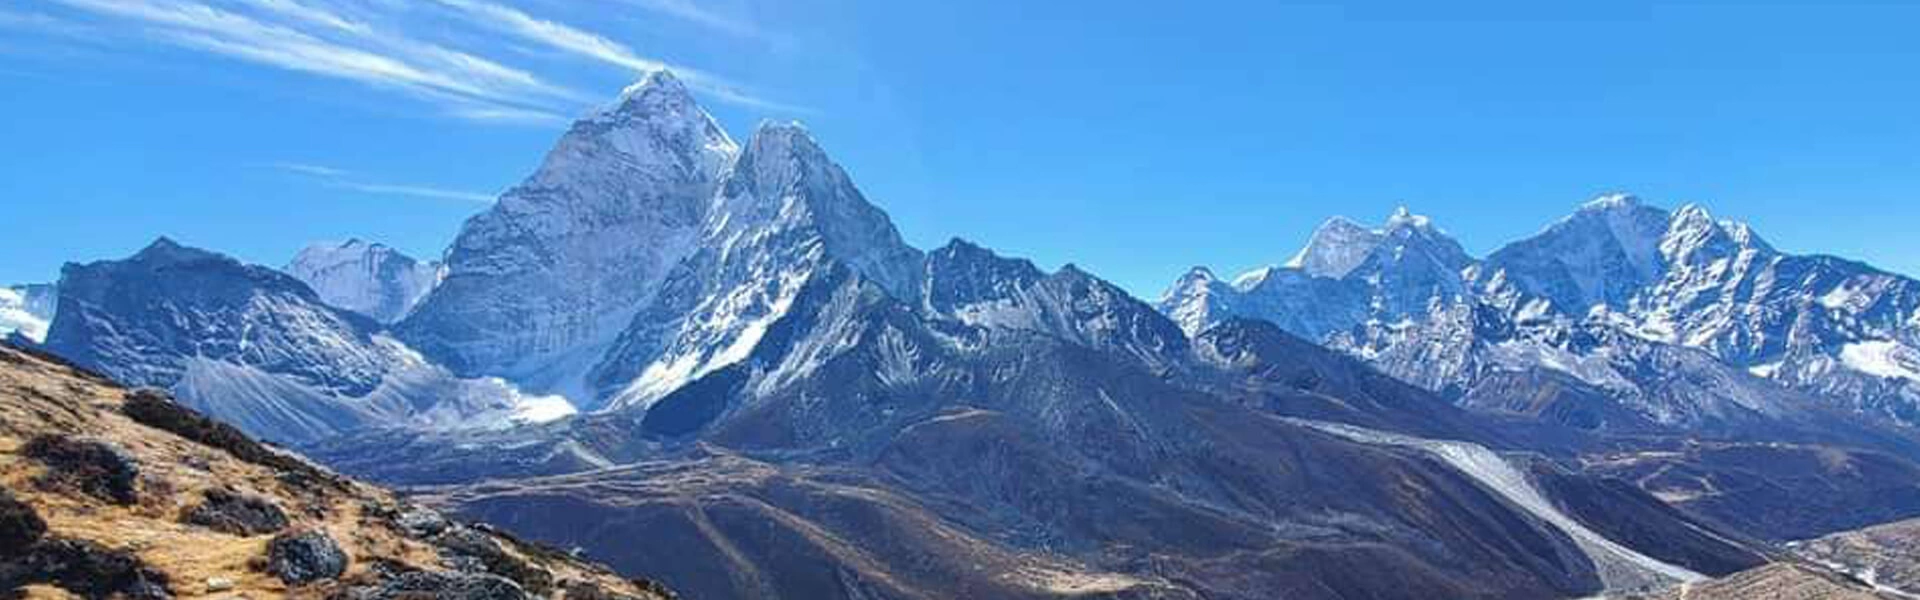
x=1336, y=247
x=658, y=83
x=660, y=102
x=165, y=249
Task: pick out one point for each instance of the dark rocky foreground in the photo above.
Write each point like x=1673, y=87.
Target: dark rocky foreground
x=106, y=493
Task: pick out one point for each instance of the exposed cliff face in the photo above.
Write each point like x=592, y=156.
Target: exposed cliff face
x=540, y=285
x=110, y=493
x=783, y=214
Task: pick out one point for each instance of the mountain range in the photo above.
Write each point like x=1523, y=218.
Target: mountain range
x=1619, y=315
x=719, y=365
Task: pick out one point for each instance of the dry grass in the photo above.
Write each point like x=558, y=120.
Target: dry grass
x=39, y=397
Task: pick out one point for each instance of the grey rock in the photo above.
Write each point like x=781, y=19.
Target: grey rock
x=305, y=557
x=96, y=468
x=228, y=511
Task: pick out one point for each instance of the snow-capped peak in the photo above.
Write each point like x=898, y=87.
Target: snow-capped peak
x=659, y=81
x=369, y=278
x=1197, y=274
x=1340, y=246
x=655, y=127
x=1611, y=201
x=539, y=285
x=1335, y=249
x=1694, y=236
x=1403, y=218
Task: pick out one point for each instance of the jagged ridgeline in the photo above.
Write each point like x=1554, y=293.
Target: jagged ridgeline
x=1638, y=316
x=718, y=365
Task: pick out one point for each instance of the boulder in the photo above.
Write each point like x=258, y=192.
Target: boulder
x=93, y=467
x=447, y=586
x=85, y=569
x=20, y=526
x=421, y=522
x=472, y=549
x=305, y=557
x=228, y=511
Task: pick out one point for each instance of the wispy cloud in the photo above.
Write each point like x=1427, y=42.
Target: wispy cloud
x=34, y=22
x=344, y=179
x=378, y=43
x=312, y=15
x=309, y=169
x=587, y=44
x=457, y=80
x=416, y=191
x=559, y=36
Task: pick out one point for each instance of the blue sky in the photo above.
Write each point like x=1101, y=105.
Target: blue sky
x=1132, y=138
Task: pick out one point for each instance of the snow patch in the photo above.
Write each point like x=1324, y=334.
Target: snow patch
x=1882, y=359
x=17, y=316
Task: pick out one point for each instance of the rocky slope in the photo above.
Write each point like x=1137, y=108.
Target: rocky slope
x=1778, y=581
x=1885, y=556
x=367, y=278
x=111, y=493
x=1656, y=317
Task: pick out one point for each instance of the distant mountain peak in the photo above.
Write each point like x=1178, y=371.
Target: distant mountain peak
x=1336, y=248
x=1694, y=236
x=1198, y=273
x=369, y=278
x=1340, y=246
x=784, y=138
x=1611, y=201
x=164, y=250
x=1402, y=218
